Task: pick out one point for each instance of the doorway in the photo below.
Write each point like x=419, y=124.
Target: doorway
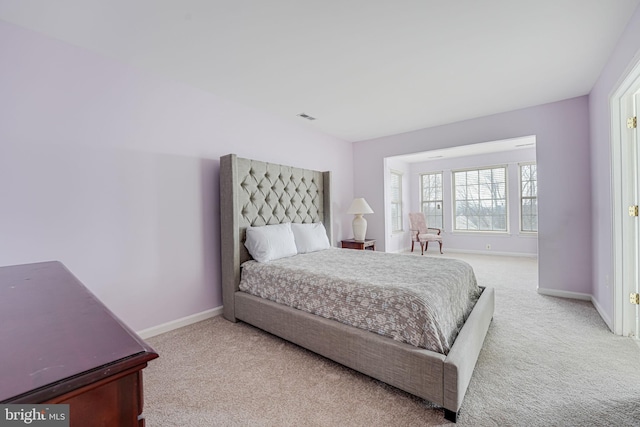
x=625, y=164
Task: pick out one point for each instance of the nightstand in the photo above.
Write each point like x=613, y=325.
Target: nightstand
x=369, y=244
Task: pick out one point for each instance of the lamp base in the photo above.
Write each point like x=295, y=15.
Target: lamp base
x=359, y=227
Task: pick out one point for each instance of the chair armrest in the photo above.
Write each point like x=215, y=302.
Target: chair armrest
x=437, y=229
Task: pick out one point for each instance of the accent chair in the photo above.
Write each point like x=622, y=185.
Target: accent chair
x=421, y=233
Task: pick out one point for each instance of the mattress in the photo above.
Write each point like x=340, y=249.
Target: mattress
x=422, y=301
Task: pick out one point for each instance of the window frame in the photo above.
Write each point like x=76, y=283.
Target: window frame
x=398, y=203
x=440, y=201
x=522, y=197
x=454, y=199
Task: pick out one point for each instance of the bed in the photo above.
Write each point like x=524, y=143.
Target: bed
x=255, y=193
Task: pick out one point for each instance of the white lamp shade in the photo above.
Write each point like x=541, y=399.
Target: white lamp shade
x=359, y=206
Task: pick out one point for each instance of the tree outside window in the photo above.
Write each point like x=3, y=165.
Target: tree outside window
x=528, y=198
x=480, y=199
x=396, y=201
x=431, y=198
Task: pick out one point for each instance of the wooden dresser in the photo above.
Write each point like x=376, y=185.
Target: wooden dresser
x=60, y=344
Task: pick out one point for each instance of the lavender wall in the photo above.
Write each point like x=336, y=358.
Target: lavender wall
x=513, y=242
x=114, y=172
x=626, y=54
x=562, y=134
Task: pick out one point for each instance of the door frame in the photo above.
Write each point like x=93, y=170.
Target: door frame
x=623, y=171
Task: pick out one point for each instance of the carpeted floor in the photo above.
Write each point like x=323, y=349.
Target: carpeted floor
x=546, y=362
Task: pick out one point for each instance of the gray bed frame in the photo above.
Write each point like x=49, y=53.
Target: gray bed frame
x=258, y=193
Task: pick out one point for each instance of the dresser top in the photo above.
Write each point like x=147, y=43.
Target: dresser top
x=55, y=334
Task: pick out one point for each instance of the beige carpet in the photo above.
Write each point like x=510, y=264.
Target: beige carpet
x=546, y=362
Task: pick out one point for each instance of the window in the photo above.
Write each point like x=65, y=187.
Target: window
x=480, y=199
x=431, y=198
x=396, y=201
x=528, y=198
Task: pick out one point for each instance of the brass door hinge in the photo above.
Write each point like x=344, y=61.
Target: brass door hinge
x=632, y=122
x=634, y=298
x=633, y=210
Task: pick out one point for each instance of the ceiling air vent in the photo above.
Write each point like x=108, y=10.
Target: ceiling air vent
x=306, y=116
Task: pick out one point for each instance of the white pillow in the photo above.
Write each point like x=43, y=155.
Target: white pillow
x=270, y=242
x=310, y=237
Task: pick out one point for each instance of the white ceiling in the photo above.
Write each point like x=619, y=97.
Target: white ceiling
x=362, y=68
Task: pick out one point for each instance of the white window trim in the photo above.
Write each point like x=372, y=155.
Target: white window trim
x=441, y=201
x=453, y=201
x=401, y=202
x=521, y=231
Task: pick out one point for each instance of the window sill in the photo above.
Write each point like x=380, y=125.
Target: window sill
x=481, y=233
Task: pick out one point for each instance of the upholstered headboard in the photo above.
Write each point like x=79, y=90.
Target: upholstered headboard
x=254, y=193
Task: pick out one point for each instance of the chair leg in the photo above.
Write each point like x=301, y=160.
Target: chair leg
x=422, y=248
x=426, y=247
x=412, y=242
x=440, y=247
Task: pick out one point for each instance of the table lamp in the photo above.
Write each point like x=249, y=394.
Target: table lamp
x=358, y=208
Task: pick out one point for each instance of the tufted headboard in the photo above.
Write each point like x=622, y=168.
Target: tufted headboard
x=254, y=193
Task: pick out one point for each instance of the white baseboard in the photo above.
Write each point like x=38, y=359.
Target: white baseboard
x=602, y=313
x=564, y=294
x=179, y=323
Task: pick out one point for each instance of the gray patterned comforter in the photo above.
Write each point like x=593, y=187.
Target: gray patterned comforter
x=422, y=301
